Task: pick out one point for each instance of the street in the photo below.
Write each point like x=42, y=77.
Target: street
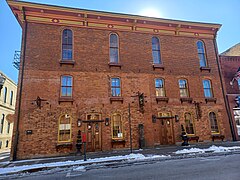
x=212, y=167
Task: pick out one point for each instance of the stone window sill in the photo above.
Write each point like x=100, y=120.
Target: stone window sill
x=162, y=99
x=116, y=99
x=205, y=69
x=210, y=100
x=67, y=62
x=65, y=99
x=158, y=66
x=186, y=99
x=112, y=64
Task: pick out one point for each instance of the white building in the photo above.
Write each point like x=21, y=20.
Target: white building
x=7, y=107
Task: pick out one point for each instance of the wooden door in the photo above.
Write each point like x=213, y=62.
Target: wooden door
x=166, y=132
x=94, y=137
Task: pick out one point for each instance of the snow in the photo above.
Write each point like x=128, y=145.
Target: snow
x=130, y=157
x=137, y=156
x=210, y=149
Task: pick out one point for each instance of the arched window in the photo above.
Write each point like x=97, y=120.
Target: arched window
x=7, y=143
x=213, y=122
x=67, y=44
x=64, y=128
x=117, y=129
x=207, y=87
x=189, y=123
x=183, y=87
x=66, y=86
x=156, y=51
x=5, y=95
x=113, y=49
x=201, y=54
x=2, y=123
x=11, y=98
x=115, y=87
x=159, y=86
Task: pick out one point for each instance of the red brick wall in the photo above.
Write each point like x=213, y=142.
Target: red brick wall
x=229, y=66
x=91, y=88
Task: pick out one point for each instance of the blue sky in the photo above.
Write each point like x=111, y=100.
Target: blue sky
x=225, y=12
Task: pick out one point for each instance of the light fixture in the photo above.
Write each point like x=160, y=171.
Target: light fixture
x=79, y=122
x=176, y=118
x=107, y=121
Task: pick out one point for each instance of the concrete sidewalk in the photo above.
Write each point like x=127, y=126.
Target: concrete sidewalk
x=165, y=151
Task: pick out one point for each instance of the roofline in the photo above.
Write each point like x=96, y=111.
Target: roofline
x=8, y=78
x=71, y=9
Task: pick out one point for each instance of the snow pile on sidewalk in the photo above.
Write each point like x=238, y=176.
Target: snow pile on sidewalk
x=210, y=149
x=17, y=169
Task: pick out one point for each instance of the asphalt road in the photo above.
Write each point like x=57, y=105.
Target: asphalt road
x=206, y=168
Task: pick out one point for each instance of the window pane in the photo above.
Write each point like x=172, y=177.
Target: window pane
x=213, y=121
x=156, y=57
x=69, y=91
x=189, y=124
x=64, y=91
x=64, y=80
x=117, y=127
x=67, y=44
x=114, y=55
x=182, y=83
x=207, y=93
x=69, y=81
x=113, y=40
x=155, y=44
x=202, y=60
x=183, y=93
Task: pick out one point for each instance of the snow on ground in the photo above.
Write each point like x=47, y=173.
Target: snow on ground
x=78, y=162
x=210, y=149
x=130, y=157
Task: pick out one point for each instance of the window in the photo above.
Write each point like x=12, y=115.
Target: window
x=159, y=85
x=0, y=144
x=239, y=83
x=183, y=88
x=213, y=122
x=189, y=123
x=201, y=54
x=66, y=86
x=207, y=89
x=7, y=143
x=64, y=129
x=115, y=87
x=11, y=98
x=2, y=123
x=5, y=95
x=117, y=130
x=156, y=50
x=8, y=127
x=67, y=44
x=114, y=48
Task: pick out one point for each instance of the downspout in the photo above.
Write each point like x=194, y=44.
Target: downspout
x=15, y=146
x=223, y=92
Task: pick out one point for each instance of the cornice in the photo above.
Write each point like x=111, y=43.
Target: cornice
x=57, y=15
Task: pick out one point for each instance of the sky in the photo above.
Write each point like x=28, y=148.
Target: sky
x=225, y=12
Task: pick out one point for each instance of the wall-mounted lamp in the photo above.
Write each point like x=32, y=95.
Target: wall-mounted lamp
x=154, y=118
x=107, y=121
x=176, y=118
x=79, y=122
x=89, y=126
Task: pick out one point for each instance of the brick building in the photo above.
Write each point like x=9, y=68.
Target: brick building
x=85, y=70
x=230, y=67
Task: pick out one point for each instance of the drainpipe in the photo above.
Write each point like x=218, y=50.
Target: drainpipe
x=223, y=92
x=15, y=145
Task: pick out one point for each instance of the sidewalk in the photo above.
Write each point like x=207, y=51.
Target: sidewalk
x=158, y=153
